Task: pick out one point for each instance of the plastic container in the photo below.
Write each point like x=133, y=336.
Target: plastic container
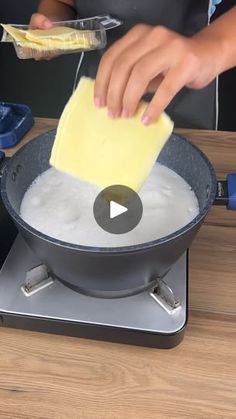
x=6, y=118
x=15, y=121
x=91, y=36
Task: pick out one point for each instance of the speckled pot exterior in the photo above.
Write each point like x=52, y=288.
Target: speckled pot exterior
x=109, y=272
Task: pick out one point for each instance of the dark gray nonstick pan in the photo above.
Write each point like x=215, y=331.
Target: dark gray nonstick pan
x=110, y=272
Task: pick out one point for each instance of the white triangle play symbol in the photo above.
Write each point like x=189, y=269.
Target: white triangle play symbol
x=116, y=209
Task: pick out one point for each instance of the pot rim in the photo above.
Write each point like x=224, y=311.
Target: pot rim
x=111, y=250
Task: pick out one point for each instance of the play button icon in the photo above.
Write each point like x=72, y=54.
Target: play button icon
x=118, y=209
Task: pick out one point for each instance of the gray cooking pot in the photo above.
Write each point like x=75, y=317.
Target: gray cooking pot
x=109, y=272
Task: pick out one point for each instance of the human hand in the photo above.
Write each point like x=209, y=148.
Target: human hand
x=39, y=21
x=153, y=59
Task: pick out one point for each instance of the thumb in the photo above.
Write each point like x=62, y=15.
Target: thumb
x=39, y=21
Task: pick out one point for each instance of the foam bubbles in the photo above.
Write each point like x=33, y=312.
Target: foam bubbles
x=62, y=207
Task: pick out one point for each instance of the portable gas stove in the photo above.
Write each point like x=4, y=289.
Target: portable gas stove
x=31, y=299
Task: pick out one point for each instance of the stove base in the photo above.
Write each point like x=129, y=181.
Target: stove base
x=92, y=331
x=137, y=320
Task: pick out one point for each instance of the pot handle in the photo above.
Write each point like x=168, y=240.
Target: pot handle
x=226, y=192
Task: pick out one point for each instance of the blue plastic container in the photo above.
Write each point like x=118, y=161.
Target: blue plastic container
x=6, y=118
x=15, y=121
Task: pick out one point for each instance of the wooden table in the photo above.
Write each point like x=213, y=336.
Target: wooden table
x=45, y=376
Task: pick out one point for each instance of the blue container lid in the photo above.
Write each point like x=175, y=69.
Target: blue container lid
x=15, y=121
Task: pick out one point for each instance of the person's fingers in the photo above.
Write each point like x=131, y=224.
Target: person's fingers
x=149, y=67
x=108, y=59
x=39, y=57
x=139, y=63
x=123, y=65
x=177, y=77
x=39, y=21
x=155, y=83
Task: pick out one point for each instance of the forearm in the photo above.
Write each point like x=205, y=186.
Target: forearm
x=57, y=10
x=222, y=32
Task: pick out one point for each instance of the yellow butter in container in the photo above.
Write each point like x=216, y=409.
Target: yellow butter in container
x=63, y=38
x=106, y=151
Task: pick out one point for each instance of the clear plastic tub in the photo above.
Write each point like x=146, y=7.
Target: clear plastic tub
x=86, y=35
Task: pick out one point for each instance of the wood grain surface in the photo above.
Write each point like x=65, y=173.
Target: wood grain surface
x=45, y=377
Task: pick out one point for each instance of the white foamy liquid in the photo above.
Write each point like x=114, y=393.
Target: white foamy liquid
x=62, y=207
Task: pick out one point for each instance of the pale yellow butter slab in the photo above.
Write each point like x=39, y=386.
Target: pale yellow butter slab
x=106, y=151
x=56, y=38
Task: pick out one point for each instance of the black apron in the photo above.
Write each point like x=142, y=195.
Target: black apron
x=190, y=108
